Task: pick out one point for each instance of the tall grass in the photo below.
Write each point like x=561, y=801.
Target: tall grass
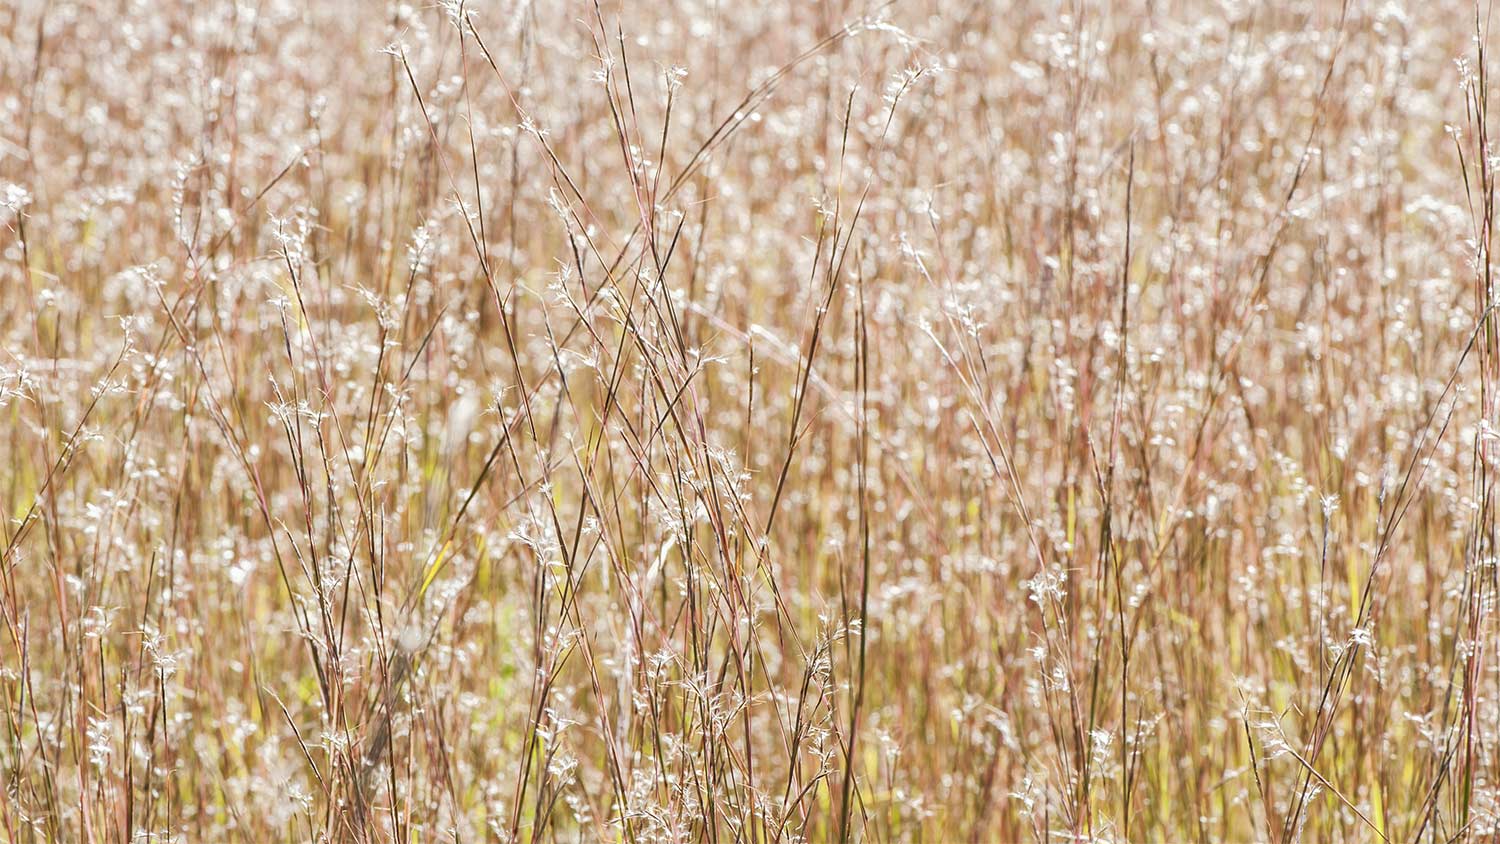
x=703, y=422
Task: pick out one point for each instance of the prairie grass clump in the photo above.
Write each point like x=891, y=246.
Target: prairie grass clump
x=598, y=421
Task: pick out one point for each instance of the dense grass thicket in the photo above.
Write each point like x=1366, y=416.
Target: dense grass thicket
x=695, y=421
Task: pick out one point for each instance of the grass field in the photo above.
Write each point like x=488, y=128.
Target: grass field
x=693, y=421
